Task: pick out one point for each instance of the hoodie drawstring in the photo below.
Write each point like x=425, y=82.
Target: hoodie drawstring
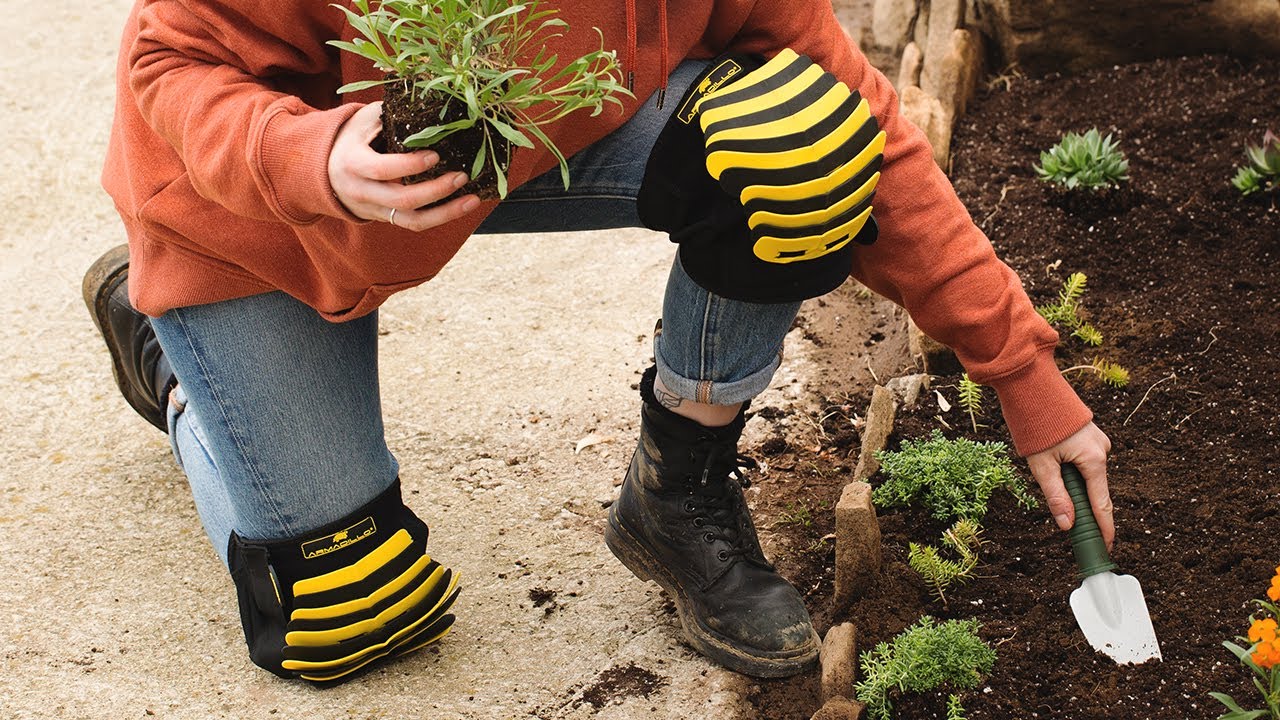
x=662, y=43
x=630, y=58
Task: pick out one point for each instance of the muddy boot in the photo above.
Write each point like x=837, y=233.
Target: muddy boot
x=142, y=373
x=682, y=521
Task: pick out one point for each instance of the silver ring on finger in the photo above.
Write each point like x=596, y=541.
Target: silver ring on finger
x=392, y=217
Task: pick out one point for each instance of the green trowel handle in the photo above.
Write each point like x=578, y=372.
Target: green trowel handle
x=1086, y=538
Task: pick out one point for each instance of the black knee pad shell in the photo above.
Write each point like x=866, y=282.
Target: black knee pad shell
x=326, y=604
x=765, y=176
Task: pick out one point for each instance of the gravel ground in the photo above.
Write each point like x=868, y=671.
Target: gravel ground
x=116, y=607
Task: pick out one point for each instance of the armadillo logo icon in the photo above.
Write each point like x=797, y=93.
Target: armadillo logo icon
x=721, y=74
x=331, y=543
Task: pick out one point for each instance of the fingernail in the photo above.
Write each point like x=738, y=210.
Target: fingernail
x=1062, y=521
x=431, y=158
x=471, y=204
x=459, y=180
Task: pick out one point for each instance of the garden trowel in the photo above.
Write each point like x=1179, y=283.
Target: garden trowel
x=1109, y=608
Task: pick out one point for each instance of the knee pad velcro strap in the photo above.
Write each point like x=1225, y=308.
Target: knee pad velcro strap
x=323, y=605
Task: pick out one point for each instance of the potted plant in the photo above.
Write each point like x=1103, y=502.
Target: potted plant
x=472, y=79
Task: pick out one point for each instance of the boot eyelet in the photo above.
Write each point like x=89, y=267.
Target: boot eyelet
x=688, y=507
x=708, y=537
x=699, y=522
x=722, y=556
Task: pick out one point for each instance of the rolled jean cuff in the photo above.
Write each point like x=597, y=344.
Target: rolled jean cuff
x=710, y=392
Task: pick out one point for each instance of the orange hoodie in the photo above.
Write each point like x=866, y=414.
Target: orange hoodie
x=226, y=112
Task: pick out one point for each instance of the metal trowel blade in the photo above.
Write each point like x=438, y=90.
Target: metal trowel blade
x=1113, y=614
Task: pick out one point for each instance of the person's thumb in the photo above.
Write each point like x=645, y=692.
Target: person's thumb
x=1048, y=474
x=366, y=123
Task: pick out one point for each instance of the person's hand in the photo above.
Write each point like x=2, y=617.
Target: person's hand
x=368, y=184
x=1087, y=450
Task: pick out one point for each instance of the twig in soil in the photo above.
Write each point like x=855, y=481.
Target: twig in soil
x=1003, y=191
x=1188, y=417
x=1172, y=376
x=1211, y=342
x=872, y=371
x=822, y=438
x=1006, y=77
x=1005, y=640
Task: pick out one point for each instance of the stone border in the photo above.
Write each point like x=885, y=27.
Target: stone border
x=938, y=77
x=858, y=548
x=942, y=61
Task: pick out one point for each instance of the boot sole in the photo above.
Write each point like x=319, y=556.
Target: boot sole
x=632, y=553
x=102, y=279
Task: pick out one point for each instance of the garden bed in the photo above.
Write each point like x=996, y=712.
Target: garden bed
x=1183, y=280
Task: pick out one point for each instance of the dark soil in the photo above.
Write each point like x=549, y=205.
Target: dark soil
x=622, y=681
x=403, y=116
x=1183, y=281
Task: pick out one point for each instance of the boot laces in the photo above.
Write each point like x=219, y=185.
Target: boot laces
x=711, y=500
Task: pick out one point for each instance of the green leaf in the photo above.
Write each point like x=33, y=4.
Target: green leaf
x=362, y=85
x=1240, y=653
x=501, y=79
x=427, y=136
x=477, y=165
x=1237, y=712
x=497, y=169
x=515, y=137
x=505, y=13
x=1257, y=156
x=546, y=141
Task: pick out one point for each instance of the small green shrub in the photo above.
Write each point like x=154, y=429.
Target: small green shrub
x=964, y=538
x=1066, y=312
x=1106, y=371
x=1262, y=173
x=797, y=514
x=970, y=399
x=924, y=657
x=1065, y=315
x=1088, y=161
x=954, y=479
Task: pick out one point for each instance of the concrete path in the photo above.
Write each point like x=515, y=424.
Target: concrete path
x=114, y=605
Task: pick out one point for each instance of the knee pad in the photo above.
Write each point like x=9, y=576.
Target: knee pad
x=326, y=604
x=765, y=176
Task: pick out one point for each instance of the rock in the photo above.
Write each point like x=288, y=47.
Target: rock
x=909, y=72
x=858, y=551
x=926, y=112
x=958, y=73
x=839, y=656
x=880, y=415
x=840, y=708
x=1044, y=36
x=920, y=35
x=936, y=358
x=945, y=17
x=908, y=388
x=891, y=22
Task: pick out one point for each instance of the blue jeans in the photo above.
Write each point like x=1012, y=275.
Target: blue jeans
x=277, y=420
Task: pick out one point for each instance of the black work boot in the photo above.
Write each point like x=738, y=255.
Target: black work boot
x=682, y=521
x=141, y=370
